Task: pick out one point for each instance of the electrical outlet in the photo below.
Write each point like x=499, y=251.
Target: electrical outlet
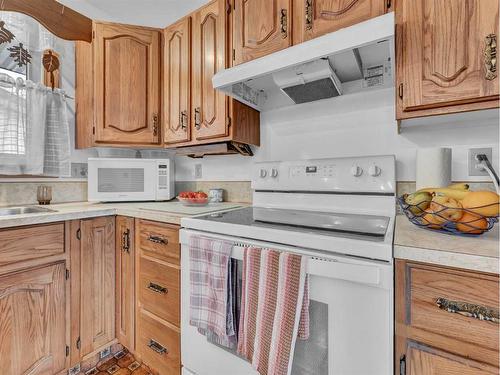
x=105, y=353
x=198, y=171
x=473, y=171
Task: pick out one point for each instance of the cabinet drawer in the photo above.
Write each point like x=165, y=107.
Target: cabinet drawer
x=158, y=344
x=28, y=243
x=442, y=301
x=159, y=291
x=159, y=240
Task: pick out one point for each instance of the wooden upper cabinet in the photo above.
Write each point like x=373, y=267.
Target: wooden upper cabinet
x=32, y=321
x=314, y=18
x=209, y=106
x=127, y=85
x=260, y=27
x=442, y=50
x=177, y=82
x=97, y=272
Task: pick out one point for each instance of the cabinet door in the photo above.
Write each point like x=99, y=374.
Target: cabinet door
x=260, y=27
x=421, y=360
x=209, y=56
x=127, y=87
x=33, y=321
x=125, y=285
x=97, y=302
x=441, y=53
x=177, y=82
x=319, y=17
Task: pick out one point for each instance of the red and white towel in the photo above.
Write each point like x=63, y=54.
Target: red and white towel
x=274, y=309
x=210, y=299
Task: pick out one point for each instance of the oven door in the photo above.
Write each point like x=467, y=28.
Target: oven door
x=351, y=310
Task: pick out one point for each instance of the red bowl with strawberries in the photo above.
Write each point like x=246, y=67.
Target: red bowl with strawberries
x=193, y=198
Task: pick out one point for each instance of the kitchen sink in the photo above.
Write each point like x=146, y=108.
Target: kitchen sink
x=24, y=210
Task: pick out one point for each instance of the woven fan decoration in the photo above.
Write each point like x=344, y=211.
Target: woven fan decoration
x=5, y=35
x=20, y=55
x=51, y=64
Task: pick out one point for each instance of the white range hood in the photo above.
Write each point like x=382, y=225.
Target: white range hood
x=356, y=58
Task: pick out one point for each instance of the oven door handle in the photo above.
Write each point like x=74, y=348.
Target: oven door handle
x=333, y=269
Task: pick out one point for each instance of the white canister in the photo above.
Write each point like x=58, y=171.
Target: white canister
x=216, y=195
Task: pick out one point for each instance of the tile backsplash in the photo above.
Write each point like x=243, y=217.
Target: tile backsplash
x=19, y=193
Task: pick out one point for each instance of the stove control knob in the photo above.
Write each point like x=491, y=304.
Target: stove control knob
x=356, y=171
x=374, y=171
x=274, y=173
x=263, y=173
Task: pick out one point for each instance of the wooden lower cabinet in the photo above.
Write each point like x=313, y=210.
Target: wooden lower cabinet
x=442, y=322
x=92, y=247
x=424, y=360
x=125, y=282
x=158, y=296
x=33, y=321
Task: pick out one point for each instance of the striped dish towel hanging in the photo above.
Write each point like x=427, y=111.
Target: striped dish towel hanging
x=274, y=309
x=210, y=301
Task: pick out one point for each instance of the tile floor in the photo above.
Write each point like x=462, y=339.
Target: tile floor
x=122, y=363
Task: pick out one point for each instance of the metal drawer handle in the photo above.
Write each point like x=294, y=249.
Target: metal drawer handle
x=309, y=14
x=157, y=288
x=126, y=241
x=156, y=347
x=284, y=23
x=469, y=309
x=197, y=119
x=158, y=239
x=490, y=57
x=184, y=120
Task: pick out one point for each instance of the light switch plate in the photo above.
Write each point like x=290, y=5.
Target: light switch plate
x=473, y=171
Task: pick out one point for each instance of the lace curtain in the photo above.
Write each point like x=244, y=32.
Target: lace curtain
x=34, y=130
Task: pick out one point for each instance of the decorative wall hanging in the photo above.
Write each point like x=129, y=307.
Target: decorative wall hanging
x=50, y=61
x=5, y=35
x=20, y=55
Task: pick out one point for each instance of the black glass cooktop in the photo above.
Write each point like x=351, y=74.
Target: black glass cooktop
x=325, y=223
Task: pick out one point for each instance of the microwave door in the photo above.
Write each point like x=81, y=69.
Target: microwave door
x=134, y=181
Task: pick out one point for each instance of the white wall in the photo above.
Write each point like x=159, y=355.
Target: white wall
x=353, y=125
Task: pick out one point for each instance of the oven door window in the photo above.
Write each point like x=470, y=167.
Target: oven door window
x=311, y=356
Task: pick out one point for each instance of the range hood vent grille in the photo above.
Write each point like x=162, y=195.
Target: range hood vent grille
x=312, y=91
x=340, y=63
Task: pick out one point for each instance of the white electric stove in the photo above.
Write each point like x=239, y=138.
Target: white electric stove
x=338, y=212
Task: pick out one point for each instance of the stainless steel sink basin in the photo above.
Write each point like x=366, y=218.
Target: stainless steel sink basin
x=24, y=210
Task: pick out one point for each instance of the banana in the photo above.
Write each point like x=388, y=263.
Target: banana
x=452, y=193
x=460, y=186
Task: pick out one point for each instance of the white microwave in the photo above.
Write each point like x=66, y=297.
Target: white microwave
x=130, y=180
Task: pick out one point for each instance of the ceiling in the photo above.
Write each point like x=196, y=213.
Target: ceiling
x=154, y=13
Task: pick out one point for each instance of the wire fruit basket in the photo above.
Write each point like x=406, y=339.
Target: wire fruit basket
x=470, y=223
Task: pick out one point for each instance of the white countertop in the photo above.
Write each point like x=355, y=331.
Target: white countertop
x=167, y=212
x=479, y=253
